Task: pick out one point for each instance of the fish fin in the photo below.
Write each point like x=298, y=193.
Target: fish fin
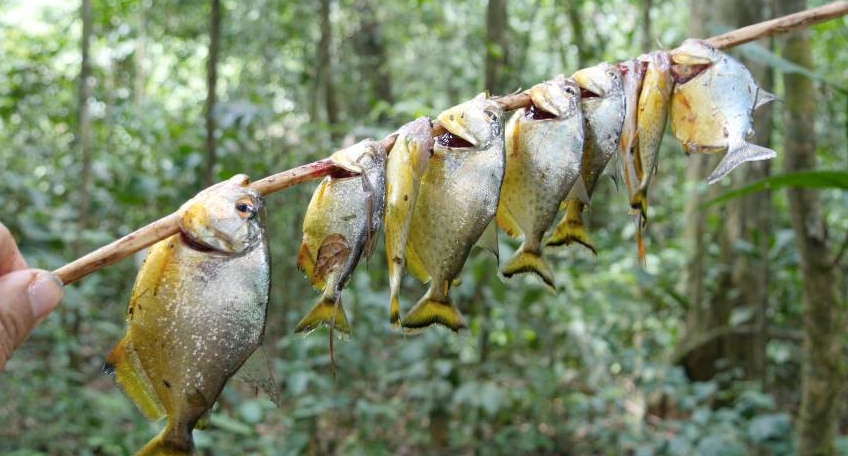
x=414, y=264
x=159, y=446
x=506, y=222
x=764, y=97
x=394, y=311
x=256, y=372
x=738, y=154
x=613, y=170
x=434, y=310
x=571, y=229
x=529, y=261
x=124, y=363
x=325, y=312
x=306, y=265
x=488, y=241
x=578, y=192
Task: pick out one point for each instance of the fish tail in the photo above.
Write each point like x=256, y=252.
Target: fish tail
x=161, y=445
x=128, y=373
x=639, y=203
x=570, y=229
x=640, y=240
x=738, y=154
x=327, y=311
x=529, y=260
x=434, y=309
x=394, y=311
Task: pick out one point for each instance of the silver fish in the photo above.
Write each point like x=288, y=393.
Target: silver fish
x=341, y=225
x=712, y=106
x=457, y=200
x=603, y=104
x=544, y=145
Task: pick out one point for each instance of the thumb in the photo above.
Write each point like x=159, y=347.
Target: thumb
x=26, y=297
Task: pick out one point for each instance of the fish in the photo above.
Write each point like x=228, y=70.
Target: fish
x=712, y=106
x=197, y=313
x=544, y=145
x=654, y=101
x=341, y=225
x=632, y=74
x=603, y=104
x=405, y=168
x=457, y=200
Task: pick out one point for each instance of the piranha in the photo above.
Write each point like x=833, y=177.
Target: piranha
x=405, y=168
x=196, y=313
x=712, y=106
x=341, y=225
x=603, y=104
x=544, y=144
x=456, y=202
x=653, y=114
x=632, y=74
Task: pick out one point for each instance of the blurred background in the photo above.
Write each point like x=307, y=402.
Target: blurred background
x=730, y=342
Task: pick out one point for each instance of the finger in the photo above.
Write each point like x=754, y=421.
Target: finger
x=26, y=297
x=10, y=257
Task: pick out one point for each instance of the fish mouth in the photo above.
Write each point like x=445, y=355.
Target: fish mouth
x=453, y=141
x=586, y=93
x=683, y=73
x=537, y=113
x=195, y=244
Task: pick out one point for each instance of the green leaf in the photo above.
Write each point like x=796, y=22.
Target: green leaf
x=807, y=179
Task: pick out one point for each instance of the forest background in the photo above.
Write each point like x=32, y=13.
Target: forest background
x=731, y=341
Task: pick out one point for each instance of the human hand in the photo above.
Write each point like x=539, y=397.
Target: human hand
x=26, y=296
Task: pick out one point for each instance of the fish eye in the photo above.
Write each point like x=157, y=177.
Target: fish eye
x=570, y=90
x=245, y=208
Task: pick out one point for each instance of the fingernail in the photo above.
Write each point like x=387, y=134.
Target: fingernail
x=45, y=292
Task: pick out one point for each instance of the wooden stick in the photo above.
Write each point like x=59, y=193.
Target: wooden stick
x=780, y=25
x=169, y=225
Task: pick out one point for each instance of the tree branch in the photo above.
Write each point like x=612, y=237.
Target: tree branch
x=169, y=225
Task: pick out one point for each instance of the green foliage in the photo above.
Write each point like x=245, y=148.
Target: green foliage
x=582, y=372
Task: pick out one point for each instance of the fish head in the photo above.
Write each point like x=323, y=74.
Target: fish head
x=695, y=52
x=475, y=124
x=227, y=217
x=359, y=157
x=598, y=82
x=559, y=96
x=418, y=135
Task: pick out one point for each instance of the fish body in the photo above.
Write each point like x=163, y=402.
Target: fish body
x=196, y=313
x=341, y=225
x=405, y=168
x=603, y=105
x=457, y=200
x=544, y=145
x=654, y=101
x=632, y=75
x=712, y=106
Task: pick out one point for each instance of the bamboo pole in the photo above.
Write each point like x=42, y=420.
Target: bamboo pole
x=169, y=225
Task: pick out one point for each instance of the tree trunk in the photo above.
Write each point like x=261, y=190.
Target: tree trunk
x=743, y=277
x=84, y=127
x=647, y=45
x=578, y=37
x=325, y=68
x=497, y=56
x=211, y=94
x=821, y=376
x=371, y=47
x=140, y=57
